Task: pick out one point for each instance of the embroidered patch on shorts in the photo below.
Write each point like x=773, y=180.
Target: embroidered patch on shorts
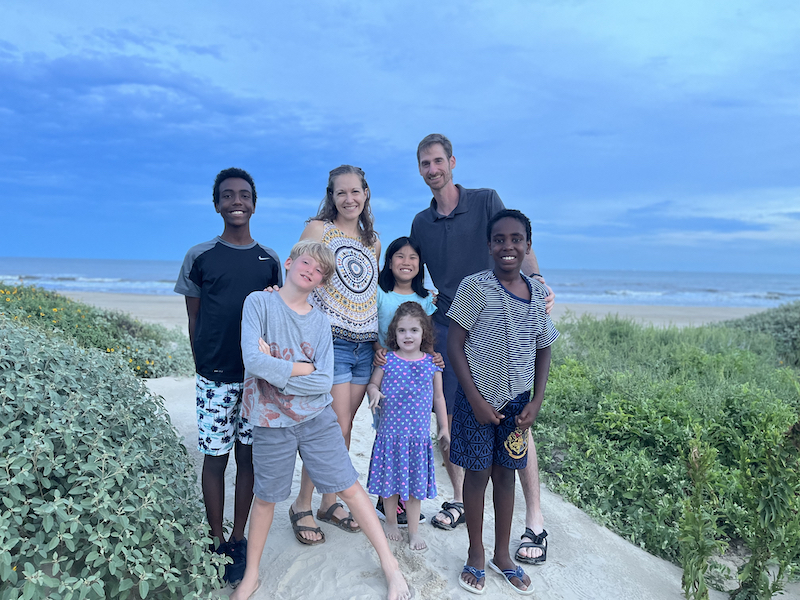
x=516, y=443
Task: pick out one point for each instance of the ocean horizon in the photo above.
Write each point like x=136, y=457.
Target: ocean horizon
x=584, y=286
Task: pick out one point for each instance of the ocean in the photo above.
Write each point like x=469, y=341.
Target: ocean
x=571, y=285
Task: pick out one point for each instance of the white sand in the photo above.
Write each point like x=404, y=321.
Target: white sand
x=585, y=560
x=171, y=310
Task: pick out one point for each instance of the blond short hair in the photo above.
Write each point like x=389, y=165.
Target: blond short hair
x=319, y=252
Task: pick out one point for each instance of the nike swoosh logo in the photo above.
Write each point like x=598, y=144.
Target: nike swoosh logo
x=263, y=258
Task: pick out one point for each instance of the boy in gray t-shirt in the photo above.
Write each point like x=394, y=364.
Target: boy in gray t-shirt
x=287, y=350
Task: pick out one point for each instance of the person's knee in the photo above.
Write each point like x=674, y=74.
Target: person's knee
x=503, y=476
x=352, y=493
x=244, y=458
x=263, y=504
x=215, y=465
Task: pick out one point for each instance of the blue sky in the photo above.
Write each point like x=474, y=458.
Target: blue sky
x=636, y=135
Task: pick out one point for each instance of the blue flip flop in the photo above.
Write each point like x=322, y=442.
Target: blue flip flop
x=478, y=574
x=508, y=574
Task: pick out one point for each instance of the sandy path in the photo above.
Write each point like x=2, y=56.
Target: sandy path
x=585, y=560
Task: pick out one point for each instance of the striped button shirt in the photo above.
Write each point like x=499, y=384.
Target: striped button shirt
x=503, y=334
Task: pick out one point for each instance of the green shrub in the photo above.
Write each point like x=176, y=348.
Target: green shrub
x=99, y=496
x=625, y=404
x=149, y=350
x=781, y=323
x=767, y=512
x=699, y=534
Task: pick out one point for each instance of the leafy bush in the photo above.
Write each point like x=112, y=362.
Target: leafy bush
x=626, y=404
x=99, y=497
x=782, y=323
x=149, y=350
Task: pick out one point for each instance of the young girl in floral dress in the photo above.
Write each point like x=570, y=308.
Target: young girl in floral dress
x=402, y=464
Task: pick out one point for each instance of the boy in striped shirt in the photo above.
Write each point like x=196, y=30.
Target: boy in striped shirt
x=499, y=346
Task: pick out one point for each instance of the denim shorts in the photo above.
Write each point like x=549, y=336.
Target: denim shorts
x=352, y=362
x=477, y=447
x=320, y=444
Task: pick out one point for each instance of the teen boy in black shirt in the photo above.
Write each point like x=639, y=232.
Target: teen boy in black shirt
x=215, y=278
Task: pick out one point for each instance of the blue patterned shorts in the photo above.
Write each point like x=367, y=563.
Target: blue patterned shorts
x=477, y=447
x=220, y=422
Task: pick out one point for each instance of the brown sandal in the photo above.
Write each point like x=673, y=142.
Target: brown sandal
x=294, y=518
x=346, y=524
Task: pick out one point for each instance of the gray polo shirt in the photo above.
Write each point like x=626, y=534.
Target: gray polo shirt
x=455, y=246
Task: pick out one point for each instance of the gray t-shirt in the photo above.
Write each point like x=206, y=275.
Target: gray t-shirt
x=272, y=397
x=454, y=246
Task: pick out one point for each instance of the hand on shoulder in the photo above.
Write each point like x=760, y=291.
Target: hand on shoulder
x=313, y=230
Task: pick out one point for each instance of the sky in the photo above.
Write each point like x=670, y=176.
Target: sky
x=635, y=135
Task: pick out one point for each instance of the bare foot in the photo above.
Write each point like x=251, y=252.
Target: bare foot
x=398, y=588
x=245, y=589
x=415, y=542
x=312, y=536
x=392, y=532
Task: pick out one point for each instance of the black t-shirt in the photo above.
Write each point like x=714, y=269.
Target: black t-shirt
x=222, y=275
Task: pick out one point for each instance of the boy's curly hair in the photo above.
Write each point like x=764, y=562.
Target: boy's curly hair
x=233, y=172
x=413, y=310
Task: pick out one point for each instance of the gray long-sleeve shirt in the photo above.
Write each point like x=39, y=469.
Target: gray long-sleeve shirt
x=272, y=397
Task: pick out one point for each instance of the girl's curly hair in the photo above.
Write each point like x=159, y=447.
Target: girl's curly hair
x=415, y=311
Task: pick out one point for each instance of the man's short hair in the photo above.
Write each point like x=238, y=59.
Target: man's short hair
x=233, y=172
x=319, y=252
x=435, y=138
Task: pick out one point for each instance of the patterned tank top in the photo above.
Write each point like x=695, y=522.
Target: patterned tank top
x=350, y=298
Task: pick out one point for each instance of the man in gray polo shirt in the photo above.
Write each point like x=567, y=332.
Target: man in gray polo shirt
x=452, y=236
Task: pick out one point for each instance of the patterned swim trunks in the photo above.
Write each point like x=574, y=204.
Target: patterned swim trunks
x=477, y=447
x=220, y=422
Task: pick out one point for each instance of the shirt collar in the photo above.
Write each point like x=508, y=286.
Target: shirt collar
x=460, y=208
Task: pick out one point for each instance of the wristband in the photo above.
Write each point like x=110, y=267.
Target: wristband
x=535, y=275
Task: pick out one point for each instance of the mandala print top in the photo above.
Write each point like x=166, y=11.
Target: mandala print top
x=350, y=298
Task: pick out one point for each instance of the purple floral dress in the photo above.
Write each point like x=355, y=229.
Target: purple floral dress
x=402, y=456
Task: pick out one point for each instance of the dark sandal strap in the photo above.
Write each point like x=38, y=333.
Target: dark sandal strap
x=536, y=539
x=295, y=517
x=456, y=506
x=304, y=528
x=332, y=509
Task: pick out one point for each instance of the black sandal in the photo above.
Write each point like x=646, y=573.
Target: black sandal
x=536, y=541
x=458, y=507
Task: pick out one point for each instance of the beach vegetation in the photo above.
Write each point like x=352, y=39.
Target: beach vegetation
x=680, y=440
x=147, y=349
x=782, y=324
x=99, y=495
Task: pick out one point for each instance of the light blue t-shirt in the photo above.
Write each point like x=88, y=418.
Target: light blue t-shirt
x=387, y=306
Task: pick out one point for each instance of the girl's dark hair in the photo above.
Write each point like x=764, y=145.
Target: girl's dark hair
x=386, y=278
x=414, y=310
x=327, y=208
x=510, y=213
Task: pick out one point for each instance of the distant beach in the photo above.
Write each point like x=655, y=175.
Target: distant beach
x=572, y=286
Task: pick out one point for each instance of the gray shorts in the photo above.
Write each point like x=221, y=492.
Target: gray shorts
x=321, y=446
